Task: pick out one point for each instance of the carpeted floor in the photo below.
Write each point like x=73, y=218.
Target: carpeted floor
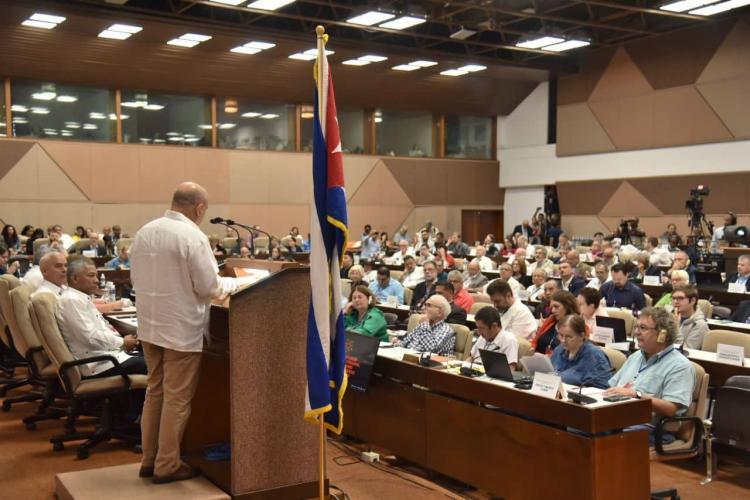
x=28, y=467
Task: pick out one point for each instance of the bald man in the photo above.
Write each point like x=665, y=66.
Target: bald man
x=53, y=266
x=176, y=276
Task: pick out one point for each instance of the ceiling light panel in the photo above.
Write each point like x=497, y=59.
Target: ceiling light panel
x=472, y=68
x=685, y=5
x=229, y=2
x=423, y=64
x=370, y=18
x=244, y=50
x=403, y=23
x=114, y=35
x=194, y=37
x=540, y=42
x=44, y=21
x=355, y=62
x=405, y=67
x=260, y=45
x=372, y=58
x=182, y=43
x=720, y=7
x=269, y=4
x=454, y=72
x=314, y=52
x=299, y=56
x=568, y=45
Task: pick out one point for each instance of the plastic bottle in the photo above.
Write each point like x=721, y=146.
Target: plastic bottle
x=102, y=281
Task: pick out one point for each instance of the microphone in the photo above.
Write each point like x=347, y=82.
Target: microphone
x=230, y=224
x=469, y=371
x=578, y=397
x=251, y=229
x=217, y=220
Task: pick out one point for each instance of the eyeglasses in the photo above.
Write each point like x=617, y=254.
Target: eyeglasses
x=429, y=304
x=675, y=297
x=643, y=328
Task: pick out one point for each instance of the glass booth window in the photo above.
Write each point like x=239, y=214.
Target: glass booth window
x=152, y=118
x=468, y=136
x=351, y=129
x=400, y=133
x=56, y=111
x=247, y=125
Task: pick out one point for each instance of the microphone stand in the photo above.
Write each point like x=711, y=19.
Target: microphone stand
x=219, y=220
x=251, y=230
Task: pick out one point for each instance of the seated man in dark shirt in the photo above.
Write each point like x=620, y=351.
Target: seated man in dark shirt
x=620, y=292
x=458, y=314
x=425, y=289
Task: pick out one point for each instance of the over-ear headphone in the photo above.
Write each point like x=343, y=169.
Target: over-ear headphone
x=662, y=337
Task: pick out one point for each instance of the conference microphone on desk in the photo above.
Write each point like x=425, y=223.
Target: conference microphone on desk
x=579, y=397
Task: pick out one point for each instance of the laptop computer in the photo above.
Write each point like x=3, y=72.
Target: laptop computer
x=616, y=324
x=496, y=366
x=708, y=278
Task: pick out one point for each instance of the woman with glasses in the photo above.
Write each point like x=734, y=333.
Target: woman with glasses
x=576, y=360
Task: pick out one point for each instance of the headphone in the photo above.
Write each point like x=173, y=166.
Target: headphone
x=662, y=337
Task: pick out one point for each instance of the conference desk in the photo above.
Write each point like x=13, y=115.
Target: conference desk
x=509, y=442
x=712, y=294
x=403, y=312
x=719, y=324
x=718, y=371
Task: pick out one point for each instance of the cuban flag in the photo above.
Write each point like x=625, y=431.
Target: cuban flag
x=326, y=376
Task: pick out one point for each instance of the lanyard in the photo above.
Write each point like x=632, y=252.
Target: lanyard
x=659, y=357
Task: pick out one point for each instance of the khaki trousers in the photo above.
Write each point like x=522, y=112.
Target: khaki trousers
x=172, y=380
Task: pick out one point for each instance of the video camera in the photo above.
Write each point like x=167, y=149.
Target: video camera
x=695, y=203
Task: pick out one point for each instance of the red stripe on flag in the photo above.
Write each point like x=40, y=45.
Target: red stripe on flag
x=333, y=140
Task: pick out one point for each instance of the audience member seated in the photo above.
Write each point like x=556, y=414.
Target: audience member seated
x=576, y=360
x=742, y=313
x=506, y=273
x=670, y=236
x=6, y=268
x=678, y=279
x=601, y=276
x=426, y=288
x=412, y=274
x=442, y=274
x=681, y=261
x=743, y=272
x=590, y=304
x=609, y=257
x=536, y=288
x=490, y=246
x=403, y=251
x=385, y=287
x=519, y=254
x=460, y=296
x=293, y=240
x=402, y=235
x=540, y=261
x=554, y=231
x=346, y=264
x=457, y=315
x=509, y=248
x=524, y=229
x=371, y=246
x=433, y=335
x=730, y=219
x=658, y=371
x=485, y=263
x=95, y=247
x=122, y=261
x=370, y=268
x=54, y=268
x=361, y=315
x=568, y=280
x=519, y=273
x=86, y=331
x=690, y=319
x=458, y=248
x=38, y=233
x=596, y=250
x=10, y=239
x=357, y=276
x=564, y=244
x=425, y=238
x=217, y=248
x=493, y=337
x=549, y=289
x=474, y=279
x=562, y=304
x=424, y=255
x=622, y=293
x=660, y=255
x=580, y=269
x=515, y=317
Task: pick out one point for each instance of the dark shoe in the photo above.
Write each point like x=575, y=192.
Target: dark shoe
x=184, y=472
x=146, y=471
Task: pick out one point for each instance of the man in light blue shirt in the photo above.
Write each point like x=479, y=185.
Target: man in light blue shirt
x=370, y=245
x=658, y=371
x=385, y=287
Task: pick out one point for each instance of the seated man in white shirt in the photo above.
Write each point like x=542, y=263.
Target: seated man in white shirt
x=541, y=261
x=53, y=267
x=506, y=274
x=536, y=288
x=485, y=263
x=474, y=280
x=601, y=273
x=412, y=275
x=398, y=257
x=493, y=337
x=86, y=331
x=657, y=255
x=515, y=316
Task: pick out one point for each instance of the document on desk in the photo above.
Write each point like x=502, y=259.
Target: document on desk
x=250, y=276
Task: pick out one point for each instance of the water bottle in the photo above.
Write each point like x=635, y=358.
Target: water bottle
x=111, y=293
x=102, y=281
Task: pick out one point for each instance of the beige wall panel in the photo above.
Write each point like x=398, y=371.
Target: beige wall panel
x=437, y=214
x=67, y=214
x=682, y=116
x=585, y=198
x=356, y=170
x=577, y=88
x=22, y=181
x=128, y=215
x=53, y=183
x=75, y=159
x=215, y=210
x=276, y=219
x=579, y=131
x=11, y=152
x=115, y=174
x=380, y=188
x=210, y=169
x=270, y=177
x=731, y=60
x=622, y=78
x=629, y=121
x=382, y=218
x=575, y=225
x=161, y=169
x=20, y=213
x=629, y=201
x=729, y=99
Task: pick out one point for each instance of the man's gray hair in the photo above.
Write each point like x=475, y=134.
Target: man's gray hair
x=76, y=266
x=455, y=275
x=442, y=303
x=47, y=251
x=663, y=320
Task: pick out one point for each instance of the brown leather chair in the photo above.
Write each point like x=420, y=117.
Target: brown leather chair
x=106, y=390
x=12, y=358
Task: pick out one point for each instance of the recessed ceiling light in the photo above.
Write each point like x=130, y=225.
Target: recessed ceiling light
x=125, y=28
x=454, y=72
x=355, y=62
x=306, y=115
x=194, y=37
x=40, y=111
x=370, y=18
x=570, y=44
x=153, y=107
x=472, y=68
x=205, y=126
x=372, y=58
x=20, y=120
x=229, y=2
x=44, y=96
x=46, y=18
x=269, y=116
x=225, y=126
x=423, y=64
x=314, y=52
x=539, y=42
x=685, y=5
x=90, y=126
x=403, y=23
x=159, y=141
x=378, y=119
x=251, y=114
x=182, y=43
x=129, y=104
x=97, y=116
x=114, y=35
x=17, y=108
x=72, y=125
x=302, y=57
x=66, y=98
x=172, y=134
x=50, y=131
x=38, y=24
x=176, y=139
x=244, y=50
x=260, y=45
x=269, y=4
x=192, y=139
x=66, y=133
x=720, y=7
x=463, y=33
x=405, y=67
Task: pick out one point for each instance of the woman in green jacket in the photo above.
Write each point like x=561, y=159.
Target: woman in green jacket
x=361, y=315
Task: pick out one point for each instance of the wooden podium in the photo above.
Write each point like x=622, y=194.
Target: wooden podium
x=252, y=389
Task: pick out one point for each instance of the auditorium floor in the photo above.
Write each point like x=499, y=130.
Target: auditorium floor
x=28, y=467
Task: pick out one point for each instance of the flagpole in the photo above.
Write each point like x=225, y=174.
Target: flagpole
x=320, y=32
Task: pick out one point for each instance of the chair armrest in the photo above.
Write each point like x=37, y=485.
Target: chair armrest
x=102, y=357
x=697, y=434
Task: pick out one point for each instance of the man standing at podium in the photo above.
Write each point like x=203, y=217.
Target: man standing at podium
x=175, y=276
